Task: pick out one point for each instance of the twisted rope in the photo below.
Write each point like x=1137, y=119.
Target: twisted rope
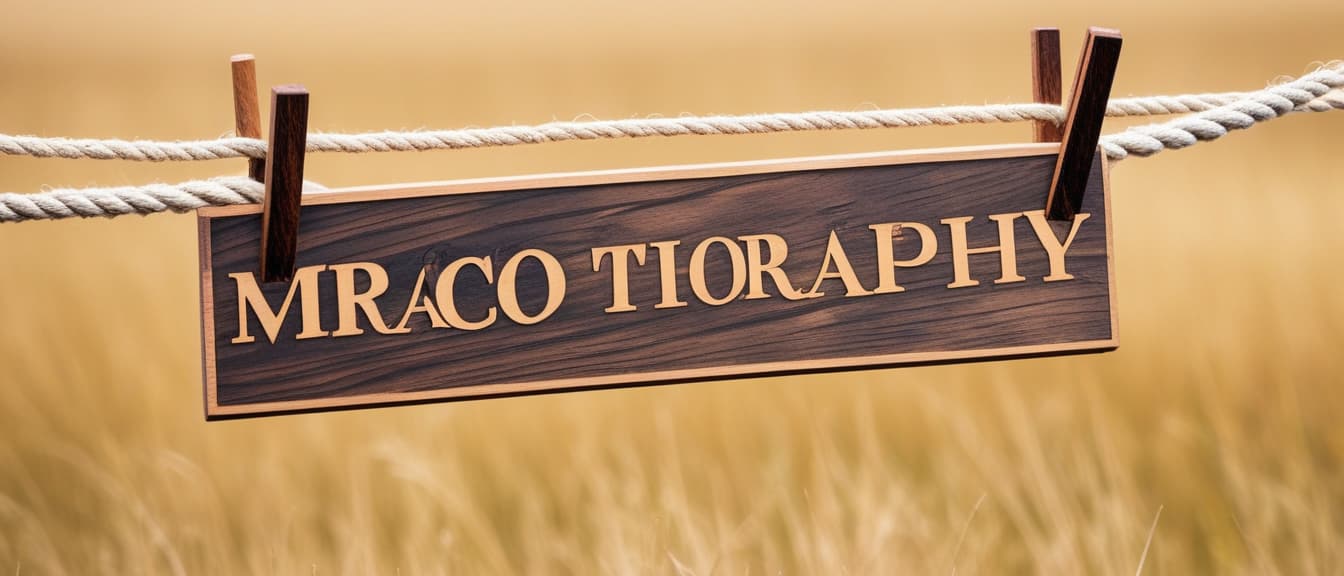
x=235, y=147
x=1314, y=92
x=1214, y=116
x=391, y=141
x=89, y=202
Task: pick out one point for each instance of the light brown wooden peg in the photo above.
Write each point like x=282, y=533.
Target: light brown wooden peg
x=1047, y=84
x=246, y=111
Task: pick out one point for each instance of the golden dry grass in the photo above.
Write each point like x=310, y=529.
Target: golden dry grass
x=1222, y=406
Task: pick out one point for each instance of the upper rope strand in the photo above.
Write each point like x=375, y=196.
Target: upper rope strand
x=1330, y=77
x=1214, y=115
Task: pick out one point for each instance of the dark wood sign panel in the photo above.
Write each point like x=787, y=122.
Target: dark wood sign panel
x=524, y=285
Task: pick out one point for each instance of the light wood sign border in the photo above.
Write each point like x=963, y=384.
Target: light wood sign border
x=772, y=268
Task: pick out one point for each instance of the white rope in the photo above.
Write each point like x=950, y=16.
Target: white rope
x=89, y=202
x=235, y=147
x=700, y=125
x=238, y=147
x=138, y=150
x=1315, y=92
x=754, y=124
x=390, y=141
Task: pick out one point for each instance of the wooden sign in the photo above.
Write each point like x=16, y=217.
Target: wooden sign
x=510, y=286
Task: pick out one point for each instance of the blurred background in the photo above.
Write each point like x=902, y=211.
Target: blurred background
x=1221, y=408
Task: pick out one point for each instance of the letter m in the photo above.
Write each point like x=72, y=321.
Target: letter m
x=251, y=298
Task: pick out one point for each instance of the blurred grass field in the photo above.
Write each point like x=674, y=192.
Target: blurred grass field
x=1222, y=407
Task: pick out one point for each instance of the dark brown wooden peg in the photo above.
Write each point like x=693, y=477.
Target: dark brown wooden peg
x=1047, y=84
x=1082, y=124
x=246, y=110
x=284, y=182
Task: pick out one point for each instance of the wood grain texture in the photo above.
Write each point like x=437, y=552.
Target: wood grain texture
x=581, y=347
x=284, y=182
x=246, y=109
x=1082, y=125
x=1047, y=84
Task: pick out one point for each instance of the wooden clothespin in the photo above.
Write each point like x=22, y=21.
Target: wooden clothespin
x=284, y=182
x=1082, y=124
x=246, y=111
x=1046, y=80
